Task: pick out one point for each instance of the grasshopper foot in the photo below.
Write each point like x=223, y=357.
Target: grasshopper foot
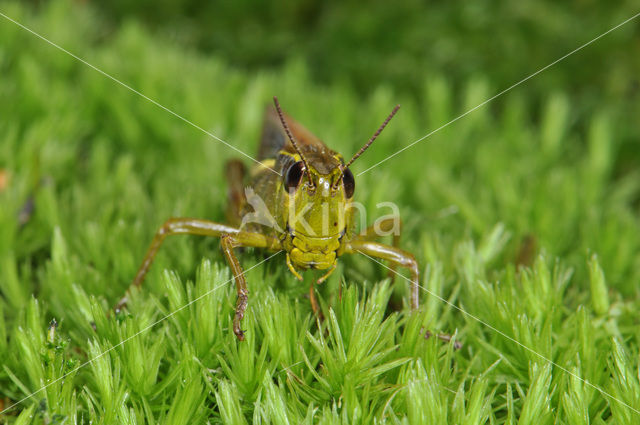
x=121, y=304
x=241, y=307
x=239, y=332
x=444, y=337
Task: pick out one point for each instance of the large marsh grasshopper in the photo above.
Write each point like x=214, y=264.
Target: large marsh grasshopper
x=307, y=211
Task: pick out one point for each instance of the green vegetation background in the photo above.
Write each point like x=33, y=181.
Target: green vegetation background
x=524, y=213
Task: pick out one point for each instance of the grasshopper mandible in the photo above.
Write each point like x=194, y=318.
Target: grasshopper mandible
x=309, y=206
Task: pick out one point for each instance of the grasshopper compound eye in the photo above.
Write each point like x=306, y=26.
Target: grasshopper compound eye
x=349, y=182
x=294, y=176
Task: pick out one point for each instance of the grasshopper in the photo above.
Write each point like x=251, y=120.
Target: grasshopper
x=308, y=205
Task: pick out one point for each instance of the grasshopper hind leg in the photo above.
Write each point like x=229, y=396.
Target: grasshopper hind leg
x=235, y=173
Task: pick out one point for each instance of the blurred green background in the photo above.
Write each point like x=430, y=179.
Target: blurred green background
x=402, y=44
x=523, y=213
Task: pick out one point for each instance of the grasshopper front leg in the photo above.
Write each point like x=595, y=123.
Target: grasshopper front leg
x=397, y=258
x=242, y=239
x=385, y=226
x=230, y=238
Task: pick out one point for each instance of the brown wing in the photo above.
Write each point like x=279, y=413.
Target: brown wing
x=274, y=138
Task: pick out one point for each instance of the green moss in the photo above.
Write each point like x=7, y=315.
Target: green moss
x=519, y=215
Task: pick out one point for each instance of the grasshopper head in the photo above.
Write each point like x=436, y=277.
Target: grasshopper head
x=318, y=203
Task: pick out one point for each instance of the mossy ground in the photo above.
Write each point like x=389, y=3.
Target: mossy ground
x=523, y=215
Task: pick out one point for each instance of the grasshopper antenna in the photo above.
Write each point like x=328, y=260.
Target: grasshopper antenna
x=377, y=133
x=293, y=141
